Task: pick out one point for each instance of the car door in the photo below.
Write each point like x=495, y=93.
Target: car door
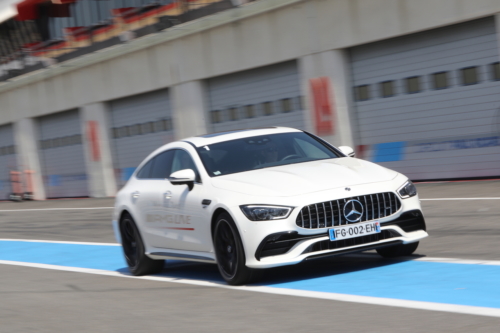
x=188, y=221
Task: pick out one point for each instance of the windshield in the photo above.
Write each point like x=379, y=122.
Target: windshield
x=262, y=152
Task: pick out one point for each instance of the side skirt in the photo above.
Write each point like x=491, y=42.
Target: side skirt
x=180, y=256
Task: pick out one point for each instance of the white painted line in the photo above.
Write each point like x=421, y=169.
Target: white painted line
x=453, y=308
x=430, y=259
x=460, y=261
x=43, y=209
x=437, y=199
x=464, y=309
x=55, y=242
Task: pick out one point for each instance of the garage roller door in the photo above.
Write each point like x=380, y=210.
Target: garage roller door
x=428, y=104
x=266, y=96
x=62, y=155
x=8, y=160
x=140, y=124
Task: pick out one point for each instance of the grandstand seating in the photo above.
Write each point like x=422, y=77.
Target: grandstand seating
x=144, y=19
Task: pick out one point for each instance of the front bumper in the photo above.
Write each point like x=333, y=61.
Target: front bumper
x=290, y=247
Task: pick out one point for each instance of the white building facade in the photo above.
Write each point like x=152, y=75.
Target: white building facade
x=412, y=85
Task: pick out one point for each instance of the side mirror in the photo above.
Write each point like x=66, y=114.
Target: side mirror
x=347, y=151
x=183, y=177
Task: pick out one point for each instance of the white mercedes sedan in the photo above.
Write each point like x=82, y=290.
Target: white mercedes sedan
x=260, y=198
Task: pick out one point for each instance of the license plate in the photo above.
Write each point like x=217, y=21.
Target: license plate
x=355, y=230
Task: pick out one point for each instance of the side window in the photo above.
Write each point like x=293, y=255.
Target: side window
x=162, y=165
x=413, y=85
x=182, y=160
x=387, y=89
x=469, y=76
x=440, y=80
x=362, y=93
x=145, y=171
x=311, y=150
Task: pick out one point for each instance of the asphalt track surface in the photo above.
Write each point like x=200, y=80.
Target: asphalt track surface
x=45, y=296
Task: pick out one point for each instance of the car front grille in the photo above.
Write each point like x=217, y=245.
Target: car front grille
x=330, y=213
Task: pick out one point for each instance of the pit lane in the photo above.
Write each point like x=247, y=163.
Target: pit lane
x=464, y=229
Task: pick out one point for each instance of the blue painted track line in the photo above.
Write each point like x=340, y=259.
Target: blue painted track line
x=72, y=255
x=459, y=284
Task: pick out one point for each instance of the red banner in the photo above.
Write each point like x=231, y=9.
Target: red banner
x=28, y=9
x=93, y=137
x=322, y=104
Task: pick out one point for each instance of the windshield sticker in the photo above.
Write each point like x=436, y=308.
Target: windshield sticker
x=216, y=173
x=206, y=147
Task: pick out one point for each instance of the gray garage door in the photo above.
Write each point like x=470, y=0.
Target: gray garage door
x=8, y=160
x=428, y=104
x=62, y=155
x=140, y=124
x=266, y=96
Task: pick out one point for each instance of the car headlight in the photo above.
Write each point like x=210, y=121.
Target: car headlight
x=407, y=190
x=265, y=213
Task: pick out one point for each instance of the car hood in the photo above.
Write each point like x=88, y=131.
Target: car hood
x=303, y=178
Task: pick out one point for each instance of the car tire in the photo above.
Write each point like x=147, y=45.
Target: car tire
x=134, y=250
x=400, y=250
x=230, y=253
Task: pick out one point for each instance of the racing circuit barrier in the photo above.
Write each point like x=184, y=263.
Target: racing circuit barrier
x=21, y=190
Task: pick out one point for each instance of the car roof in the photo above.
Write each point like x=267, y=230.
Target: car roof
x=209, y=139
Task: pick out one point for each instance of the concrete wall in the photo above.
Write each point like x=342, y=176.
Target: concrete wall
x=335, y=66
x=189, y=109
x=314, y=32
x=26, y=136
x=96, y=143
x=257, y=34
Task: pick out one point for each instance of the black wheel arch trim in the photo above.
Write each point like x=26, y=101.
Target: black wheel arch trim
x=215, y=215
x=122, y=213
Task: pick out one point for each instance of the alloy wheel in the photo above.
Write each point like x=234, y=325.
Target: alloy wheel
x=130, y=242
x=226, y=248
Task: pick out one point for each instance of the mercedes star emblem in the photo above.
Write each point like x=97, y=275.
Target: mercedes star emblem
x=353, y=210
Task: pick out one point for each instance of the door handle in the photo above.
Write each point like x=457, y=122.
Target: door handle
x=135, y=195
x=166, y=199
